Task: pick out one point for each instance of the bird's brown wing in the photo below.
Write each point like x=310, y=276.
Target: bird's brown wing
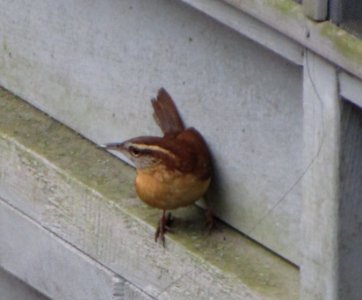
x=196, y=153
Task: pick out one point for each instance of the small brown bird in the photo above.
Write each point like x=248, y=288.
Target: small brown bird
x=173, y=170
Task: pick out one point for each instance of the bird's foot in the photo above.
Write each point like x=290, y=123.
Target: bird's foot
x=164, y=225
x=210, y=220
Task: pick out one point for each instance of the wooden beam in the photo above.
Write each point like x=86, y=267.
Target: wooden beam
x=351, y=88
x=319, y=222
x=332, y=208
x=51, y=265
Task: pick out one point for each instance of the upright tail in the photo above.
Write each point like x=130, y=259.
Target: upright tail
x=166, y=114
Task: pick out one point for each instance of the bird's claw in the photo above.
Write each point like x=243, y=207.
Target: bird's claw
x=210, y=221
x=164, y=225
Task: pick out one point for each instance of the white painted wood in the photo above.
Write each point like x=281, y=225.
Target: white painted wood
x=351, y=88
x=251, y=28
x=13, y=288
x=332, y=210
x=319, y=222
x=323, y=38
x=132, y=293
x=50, y=265
x=316, y=9
x=286, y=16
x=99, y=78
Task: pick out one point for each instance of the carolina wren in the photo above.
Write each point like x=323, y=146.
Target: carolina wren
x=173, y=170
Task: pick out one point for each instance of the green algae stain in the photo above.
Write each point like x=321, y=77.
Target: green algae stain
x=233, y=253
x=287, y=7
x=347, y=44
x=65, y=148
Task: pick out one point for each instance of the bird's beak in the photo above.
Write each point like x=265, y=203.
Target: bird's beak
x=113, y=146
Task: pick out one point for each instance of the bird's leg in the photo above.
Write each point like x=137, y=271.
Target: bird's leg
x=163, y=226
x=210, y=221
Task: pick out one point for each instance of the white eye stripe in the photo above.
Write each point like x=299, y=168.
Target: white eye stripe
x=153, y=148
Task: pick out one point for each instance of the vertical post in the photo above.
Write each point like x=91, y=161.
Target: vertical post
x=319, y=221
x=332, y=188
x=316, y=9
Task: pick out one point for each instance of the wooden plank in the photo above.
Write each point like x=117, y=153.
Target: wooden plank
x=133, y=293
x=332, y=211
x=324, y=38
x=251, y=28
x=49, y=264
x=351, y=88
x=319, y=220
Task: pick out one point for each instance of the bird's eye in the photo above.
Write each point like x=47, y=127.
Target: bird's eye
x=134, y=151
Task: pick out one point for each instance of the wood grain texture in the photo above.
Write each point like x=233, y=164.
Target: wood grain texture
x=67, y=186
x=49, y=264
x=332, y=208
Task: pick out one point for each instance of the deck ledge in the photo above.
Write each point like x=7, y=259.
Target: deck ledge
x=85, y=196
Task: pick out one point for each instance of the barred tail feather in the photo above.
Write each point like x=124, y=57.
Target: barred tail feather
x=166, y=114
